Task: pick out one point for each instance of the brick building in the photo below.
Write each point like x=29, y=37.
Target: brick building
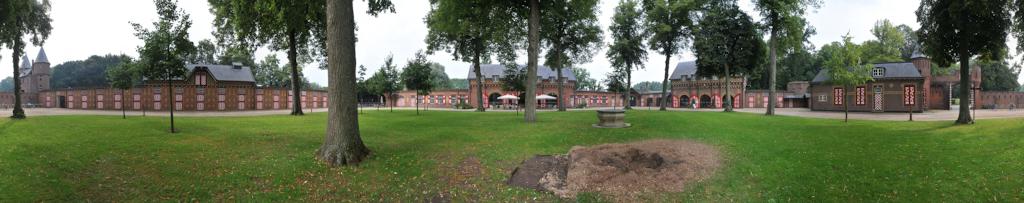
x=690, y=90
x=204, y=88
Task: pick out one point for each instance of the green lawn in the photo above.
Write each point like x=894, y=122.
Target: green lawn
x=779, y=159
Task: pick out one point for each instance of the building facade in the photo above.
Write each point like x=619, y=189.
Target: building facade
x=204, y=88
x=690, y=90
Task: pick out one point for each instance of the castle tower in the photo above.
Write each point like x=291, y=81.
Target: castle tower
x=923, y=65
x=41, y=71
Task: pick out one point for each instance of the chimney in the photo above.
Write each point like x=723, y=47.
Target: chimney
x=236, y=65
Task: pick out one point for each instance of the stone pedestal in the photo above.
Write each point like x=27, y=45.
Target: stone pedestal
x=611, y=119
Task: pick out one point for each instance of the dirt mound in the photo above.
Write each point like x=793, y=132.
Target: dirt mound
x=619, y=170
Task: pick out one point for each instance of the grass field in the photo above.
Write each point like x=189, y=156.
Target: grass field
x=774, y=159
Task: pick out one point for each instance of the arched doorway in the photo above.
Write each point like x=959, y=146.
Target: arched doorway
x=706, y=102
x=492, y=99
x=684, y=101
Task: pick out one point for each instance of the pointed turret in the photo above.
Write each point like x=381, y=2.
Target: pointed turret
x=41, y=58
x=26, y=66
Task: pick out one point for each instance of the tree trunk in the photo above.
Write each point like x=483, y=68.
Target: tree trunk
x=664, y=83
x=296, y=81
x=123, y=114
x=417, y=104
x=561, y=91
x=530, y=115
x=170, y=104
x=846, y=105
x=771, y=74
x=629, y=83
x=391, y=101
x=479, y=83
x=342, y=143
x=728, y=85
x=18, y=112
x=965, y=90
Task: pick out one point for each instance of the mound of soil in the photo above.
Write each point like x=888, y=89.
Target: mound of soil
x=619, y=170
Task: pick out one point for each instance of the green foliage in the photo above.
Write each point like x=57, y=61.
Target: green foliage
x=513, y=79
x=955, y=29
x=21, y=18
x=615, y=82
x=166, y=46
x=889, y=43
x=648, y=86
x=726, y=41
x=206, y=53
x=91, y=72
x=570, y=31
x=784, y=21
x=584, y=81
x=458, y=83
x=667, y=23
x=125, y=74
x=386, y=81
x=7, y=84
x=473, y=30
x=270, y=73
x=294, y=25
x=846, y=66
x=438, y=76
x=801, y=65
x=627, y=52
x=998, y=75
x=417, y=75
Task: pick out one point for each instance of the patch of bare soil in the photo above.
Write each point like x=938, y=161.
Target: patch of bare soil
x=621, y=171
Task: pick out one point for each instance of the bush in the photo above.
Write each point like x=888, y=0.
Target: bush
x=581, y=105
x=463, y=105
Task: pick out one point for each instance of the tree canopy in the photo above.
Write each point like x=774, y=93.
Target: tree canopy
x=584, y=81
x=417, y=76
x=166, y=45
x=847, y=68
x=570, y=32
x=668, y=22
x=888, y=45
x=626, y=53
x=91, y=72
x=787, y=30
x=726, y=43
x=20, y=18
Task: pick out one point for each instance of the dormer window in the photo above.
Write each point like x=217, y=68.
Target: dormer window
x=878, y=72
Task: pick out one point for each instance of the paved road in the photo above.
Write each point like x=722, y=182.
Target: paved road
x=934, y=115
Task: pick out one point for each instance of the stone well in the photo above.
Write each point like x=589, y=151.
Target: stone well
x=611, y=119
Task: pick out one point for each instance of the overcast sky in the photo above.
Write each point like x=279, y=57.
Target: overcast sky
x=85, y=28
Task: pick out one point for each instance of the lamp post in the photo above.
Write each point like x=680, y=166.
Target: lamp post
x=974, y=105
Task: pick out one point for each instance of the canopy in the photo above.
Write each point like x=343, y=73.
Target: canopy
x=545, y=97
x=508, y=97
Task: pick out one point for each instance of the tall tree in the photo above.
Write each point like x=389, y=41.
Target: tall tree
x=571, y=35
x=21, y=18
x=417, y=76
x=166, y=47
x=206, y=53
x=999, y=75
x=473, y=31
x=627, y=52
x=961, y=29
x=269, y=72
x=888, y=44
x=391, y=80
x=342, y=143
x=786, y=27
x=7, y=84
x=847, y=68
x=438, y=76
x=668, y=22
x=90, y=72
x=726, y=43
x=514, y=79
x=295, y=26
x=123, y=76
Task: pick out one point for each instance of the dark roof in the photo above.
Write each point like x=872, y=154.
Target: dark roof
x=26, y=66
x=687, y=68
x=490, y=70
x=892, y=71
x=41, y=58
x=226, y=72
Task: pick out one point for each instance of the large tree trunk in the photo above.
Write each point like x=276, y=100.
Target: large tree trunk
x=771, y=74
x=296, y=81
x=965, y=90
x=664, y=84
x=629, y=83
x=728, y=86
x=479, y=83
x=561, y=91
x=18, y=112
x=342, y=143
x=170, y=104
x=530, y=115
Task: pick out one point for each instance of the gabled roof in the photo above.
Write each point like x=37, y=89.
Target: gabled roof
x=490, y=70
x=892, y=71
x=225, y=72
x=41, y=58
x=687, y=68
